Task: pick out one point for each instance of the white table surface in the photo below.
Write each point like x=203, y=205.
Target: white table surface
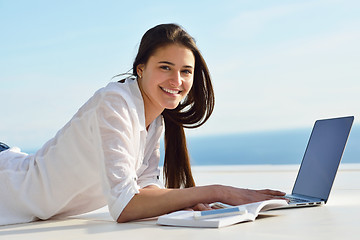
x=339, y=218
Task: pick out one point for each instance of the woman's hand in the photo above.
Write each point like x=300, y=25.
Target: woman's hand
x=238, y=196
x=200, y=207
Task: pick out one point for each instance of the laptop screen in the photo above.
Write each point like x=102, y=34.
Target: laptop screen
x=322, y=157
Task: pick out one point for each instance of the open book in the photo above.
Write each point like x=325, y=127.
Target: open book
x=247, y=212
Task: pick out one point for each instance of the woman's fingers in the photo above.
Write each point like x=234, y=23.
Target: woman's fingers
x=238, y=196
x=200, y=207
x=271, y=192
x=268, y=194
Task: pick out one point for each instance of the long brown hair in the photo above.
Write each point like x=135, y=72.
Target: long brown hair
x=193, y=111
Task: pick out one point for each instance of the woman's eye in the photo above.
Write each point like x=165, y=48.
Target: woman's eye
x=165, y=67
x=187, y=72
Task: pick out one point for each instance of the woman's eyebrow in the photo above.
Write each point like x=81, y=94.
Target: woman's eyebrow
x=166, y=62
x=173, y=64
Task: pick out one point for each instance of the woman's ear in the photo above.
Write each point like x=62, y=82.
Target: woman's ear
x=140, y=70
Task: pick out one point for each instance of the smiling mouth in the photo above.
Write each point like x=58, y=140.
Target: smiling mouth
x=170, y=91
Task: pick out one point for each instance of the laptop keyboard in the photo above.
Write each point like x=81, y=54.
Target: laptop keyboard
x=296, y=200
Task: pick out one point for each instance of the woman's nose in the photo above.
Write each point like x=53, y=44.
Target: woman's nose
x=175, y=80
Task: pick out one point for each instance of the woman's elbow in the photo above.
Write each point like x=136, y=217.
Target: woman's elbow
x=129, y=213
x=124, y=217
x=121, y=219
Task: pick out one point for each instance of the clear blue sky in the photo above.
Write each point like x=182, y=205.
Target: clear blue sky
x=275, y=64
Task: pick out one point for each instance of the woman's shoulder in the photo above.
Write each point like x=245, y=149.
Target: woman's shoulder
x=115, y=96
x=118, y=94
x=126, y=88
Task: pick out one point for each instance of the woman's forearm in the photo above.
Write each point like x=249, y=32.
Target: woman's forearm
x=154, y=202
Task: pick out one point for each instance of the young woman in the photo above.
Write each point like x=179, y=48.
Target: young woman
x=108, y=153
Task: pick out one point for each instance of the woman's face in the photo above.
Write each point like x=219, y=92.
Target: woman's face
x=166, y=78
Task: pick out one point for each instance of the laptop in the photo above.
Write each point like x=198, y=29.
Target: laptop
x=320, y=162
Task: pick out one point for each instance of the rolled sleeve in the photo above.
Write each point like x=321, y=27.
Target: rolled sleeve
x=152, y=179
x=119, y=135
x=151, y=174
x=117, y=202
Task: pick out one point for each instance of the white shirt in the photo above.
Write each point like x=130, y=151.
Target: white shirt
x=103, y=155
